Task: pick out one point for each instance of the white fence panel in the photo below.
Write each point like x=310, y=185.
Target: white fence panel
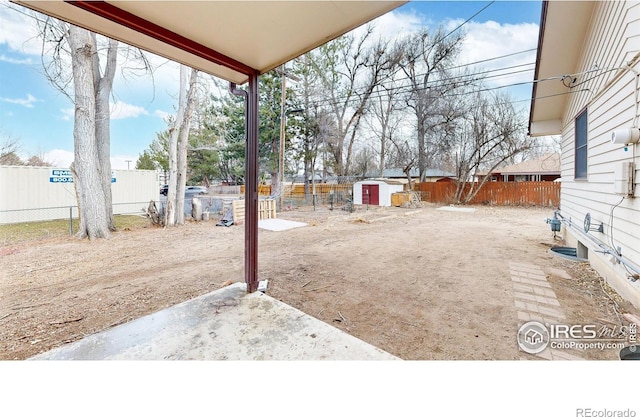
x=46, y=193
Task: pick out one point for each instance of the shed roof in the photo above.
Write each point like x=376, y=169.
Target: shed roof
x=383, y=180
x=228, y=39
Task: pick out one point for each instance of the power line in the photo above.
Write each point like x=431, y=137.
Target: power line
x=387, y=91
x=441, y=82
x=447, y=35
x=495, y=58
x=467, y=21
x=470, y=64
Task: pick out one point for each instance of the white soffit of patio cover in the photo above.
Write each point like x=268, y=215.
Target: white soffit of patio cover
x=228, y=39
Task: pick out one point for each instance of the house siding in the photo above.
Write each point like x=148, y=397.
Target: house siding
x=609, y=96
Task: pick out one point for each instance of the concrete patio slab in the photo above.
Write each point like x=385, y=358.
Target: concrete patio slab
x=278, y=225
x=226, y=324
x=460, y=209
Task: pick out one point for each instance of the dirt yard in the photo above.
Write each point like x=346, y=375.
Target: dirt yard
x=422, y=284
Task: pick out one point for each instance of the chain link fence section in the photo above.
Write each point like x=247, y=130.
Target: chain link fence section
x=64, y=212
x=332, y=195
x=38, y=214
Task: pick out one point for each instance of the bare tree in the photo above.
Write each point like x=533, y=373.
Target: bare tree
x=9, y=148
x=178, y=146
x=493, y=133
x=174, y=132
x=37, y=161
x=384, y=122
x=364, y=162
x=540, y=147
x=349, y=72
x=84, y=70
x=92, y=166
x=326, y=132
x=308, y=143
x=10, y=158
x=425, y=65
x=403, y=156
x=183, y=142
x=9, y=144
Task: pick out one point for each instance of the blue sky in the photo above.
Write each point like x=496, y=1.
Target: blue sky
x=40, y=118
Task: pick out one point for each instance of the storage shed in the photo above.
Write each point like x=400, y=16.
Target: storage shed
x=376, y=192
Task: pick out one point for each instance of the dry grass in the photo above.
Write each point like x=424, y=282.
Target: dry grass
x=31, y=231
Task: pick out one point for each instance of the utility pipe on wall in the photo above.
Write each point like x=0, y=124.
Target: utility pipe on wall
x=605, y=249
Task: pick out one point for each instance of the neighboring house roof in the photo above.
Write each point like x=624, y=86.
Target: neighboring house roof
x=559, y=46
x=397, y=173
x=438, y=173
x=546, y=164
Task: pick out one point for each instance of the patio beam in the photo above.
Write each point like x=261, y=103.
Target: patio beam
x=131, y=21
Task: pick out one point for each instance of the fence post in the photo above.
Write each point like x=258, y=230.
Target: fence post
x=70, y=221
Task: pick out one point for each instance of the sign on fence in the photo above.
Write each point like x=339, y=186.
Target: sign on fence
x=61, y=175
x=65, y=176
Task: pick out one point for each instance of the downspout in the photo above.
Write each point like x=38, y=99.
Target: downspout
x=250, y=181
x=605, y=249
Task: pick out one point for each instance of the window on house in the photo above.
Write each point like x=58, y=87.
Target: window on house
x=581, y=146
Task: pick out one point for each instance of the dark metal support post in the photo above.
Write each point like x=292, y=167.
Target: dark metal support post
x=251, y=188
x=250, y=182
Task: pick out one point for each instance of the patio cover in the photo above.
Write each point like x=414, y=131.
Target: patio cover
x=233, y=40
x=228, y=39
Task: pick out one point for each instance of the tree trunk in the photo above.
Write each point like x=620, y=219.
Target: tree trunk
x=104, y=86
x=307, y=148
x=183, y=141
x=95, y=221
x=181, y=149
x=422, y=157
x=173, y=197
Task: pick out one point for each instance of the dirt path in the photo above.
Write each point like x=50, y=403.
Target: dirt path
x=419, y=283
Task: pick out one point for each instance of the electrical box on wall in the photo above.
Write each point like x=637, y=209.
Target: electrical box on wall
x=623, y=181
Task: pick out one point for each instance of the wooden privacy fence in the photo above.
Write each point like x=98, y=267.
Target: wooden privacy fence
x=543, y=193
x=526, y=193
x=263, y=190
x=297, y=190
